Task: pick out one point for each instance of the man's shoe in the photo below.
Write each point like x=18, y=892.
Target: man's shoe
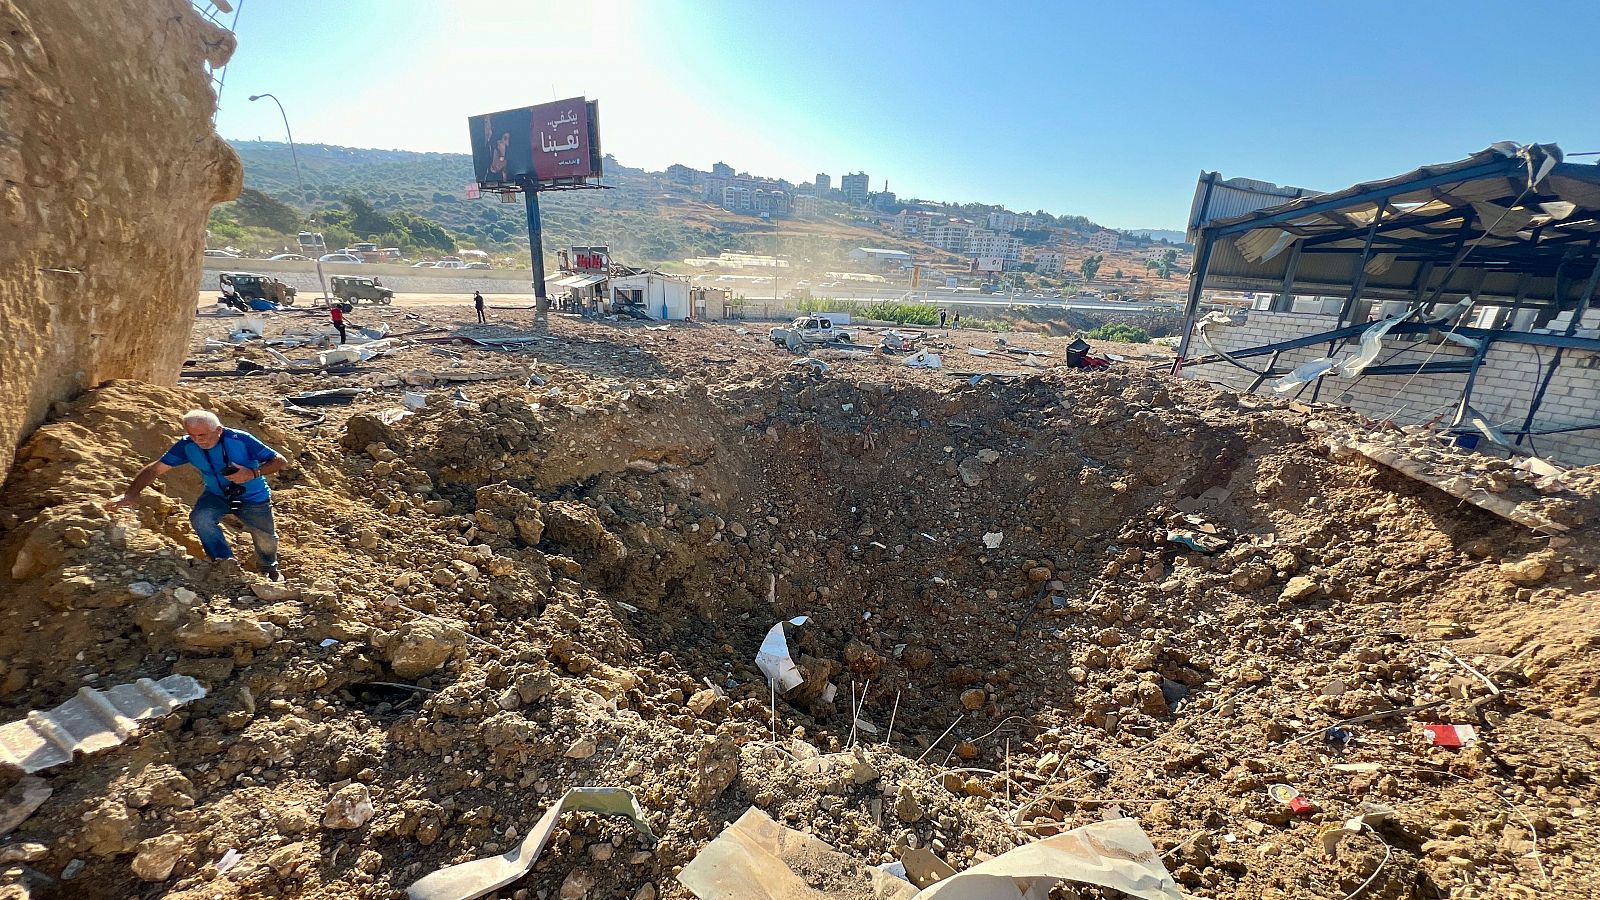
x=272, y=574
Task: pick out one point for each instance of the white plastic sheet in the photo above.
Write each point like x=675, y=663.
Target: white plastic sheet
x=1371, y=346
x=923, y=359
x=1303, y=373
x=773, y=657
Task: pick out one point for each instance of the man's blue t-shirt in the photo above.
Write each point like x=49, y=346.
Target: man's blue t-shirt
x=240, y=448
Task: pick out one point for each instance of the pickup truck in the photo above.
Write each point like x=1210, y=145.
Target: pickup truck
x=810, y=330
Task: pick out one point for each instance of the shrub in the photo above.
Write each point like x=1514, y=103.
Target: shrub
x=1122, y=334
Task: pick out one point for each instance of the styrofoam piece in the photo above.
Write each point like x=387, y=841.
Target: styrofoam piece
x=773, y=657
x=92, y=721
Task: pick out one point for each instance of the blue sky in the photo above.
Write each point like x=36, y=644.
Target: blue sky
x=1108, y=110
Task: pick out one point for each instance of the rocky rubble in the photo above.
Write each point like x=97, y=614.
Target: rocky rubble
x=490, y=604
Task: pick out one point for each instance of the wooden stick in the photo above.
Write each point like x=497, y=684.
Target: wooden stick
x=1493, y=688
x=892, y=714
x=855, y=716
x=940, y=738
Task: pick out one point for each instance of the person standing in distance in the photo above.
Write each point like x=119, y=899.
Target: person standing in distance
x=477, y=302
x=336, y=312
x=234, y=465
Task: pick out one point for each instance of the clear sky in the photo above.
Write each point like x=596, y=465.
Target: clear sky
x=1107, y=109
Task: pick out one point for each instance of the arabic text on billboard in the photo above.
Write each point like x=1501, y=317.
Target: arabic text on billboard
x=591, y=259
x=549, y=143
x=988, y=264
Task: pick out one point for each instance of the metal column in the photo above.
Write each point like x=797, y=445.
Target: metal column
x=1197, y=280
x=1577, y=315
x=530, y=191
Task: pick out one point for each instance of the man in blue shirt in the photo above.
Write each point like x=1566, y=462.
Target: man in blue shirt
x=233, y=465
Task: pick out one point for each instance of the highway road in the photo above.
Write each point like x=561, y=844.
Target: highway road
x=981, y=301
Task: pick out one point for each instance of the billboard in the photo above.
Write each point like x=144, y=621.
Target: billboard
x=591, y=259
x=552, y=144
x=988, y=264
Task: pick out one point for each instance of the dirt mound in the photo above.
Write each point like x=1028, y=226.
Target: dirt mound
x=1072, y=594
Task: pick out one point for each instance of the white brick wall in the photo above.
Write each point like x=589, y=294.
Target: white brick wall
x=1506, y=383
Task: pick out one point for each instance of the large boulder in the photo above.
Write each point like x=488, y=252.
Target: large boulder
x=109, y=166
x=421, y=648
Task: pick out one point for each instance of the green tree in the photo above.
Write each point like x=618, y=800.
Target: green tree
x=1091, y=266
x=364, y=219
x=253, y=208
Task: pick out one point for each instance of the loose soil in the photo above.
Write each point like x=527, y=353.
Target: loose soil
x=558, y=571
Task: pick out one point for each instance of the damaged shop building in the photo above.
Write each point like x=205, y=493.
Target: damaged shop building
x=589, y=281
x=1459, y=296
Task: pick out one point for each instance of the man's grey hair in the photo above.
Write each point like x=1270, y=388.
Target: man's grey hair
x=201, y=417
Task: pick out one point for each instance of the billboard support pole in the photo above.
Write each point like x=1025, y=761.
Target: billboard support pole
x=541, y=315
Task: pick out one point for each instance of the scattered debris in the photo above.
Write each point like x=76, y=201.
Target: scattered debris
x=28, y=794
x=1290, y=796
x=330, y=397
x=757, y=857
x=468, y=880
x=1451, y=735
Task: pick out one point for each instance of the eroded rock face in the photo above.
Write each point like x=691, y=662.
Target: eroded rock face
x=109, y=165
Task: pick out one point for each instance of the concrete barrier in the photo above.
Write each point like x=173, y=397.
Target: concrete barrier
x=404, y=279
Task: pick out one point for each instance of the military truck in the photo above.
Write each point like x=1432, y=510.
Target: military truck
x=248, y=286
x=354, y=288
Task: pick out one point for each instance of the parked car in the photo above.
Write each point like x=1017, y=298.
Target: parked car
x=352, y=288
x=292, y=257
x=422, y=265
x=449, y=264
x=222, y=254
x=338, y=258
x=476, y=265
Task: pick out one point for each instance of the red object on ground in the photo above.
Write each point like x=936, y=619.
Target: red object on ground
x=1451, y=735
x=1301, y=806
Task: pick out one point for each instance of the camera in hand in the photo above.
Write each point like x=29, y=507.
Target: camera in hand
x=230, y=490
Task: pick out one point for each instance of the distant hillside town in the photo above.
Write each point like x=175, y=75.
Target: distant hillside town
x=994, y=238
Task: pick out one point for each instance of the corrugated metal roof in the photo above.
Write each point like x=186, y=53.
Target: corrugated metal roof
x=1218, y=198
x=1520, y=230
x=91, y=721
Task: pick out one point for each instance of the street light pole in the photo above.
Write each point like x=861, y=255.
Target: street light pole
x=292, y=154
